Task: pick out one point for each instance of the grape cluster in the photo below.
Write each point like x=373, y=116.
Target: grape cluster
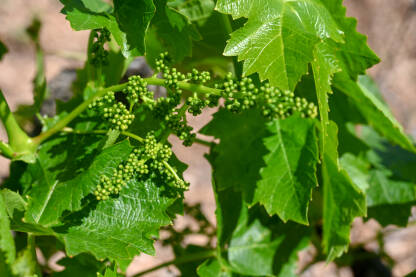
x=136, y=91
x=274, y=103
x=159, y=154
x=113, y=111
x=153, y=155
x=134, y=166
x=278, y=104
x=167, y=108
x=99, y=55
x=238, y=95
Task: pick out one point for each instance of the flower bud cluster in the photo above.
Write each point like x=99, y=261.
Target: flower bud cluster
x=136, y=91
x=274, y=103
x=114, y=112
x=152, y=157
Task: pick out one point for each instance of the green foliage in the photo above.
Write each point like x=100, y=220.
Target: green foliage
x=279, y=38
x=290, y=169
x=54, y=176
x=122, y=227
x=303, y=142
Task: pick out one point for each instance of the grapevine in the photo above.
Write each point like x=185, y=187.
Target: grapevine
x=295, y=138
x=238, y=95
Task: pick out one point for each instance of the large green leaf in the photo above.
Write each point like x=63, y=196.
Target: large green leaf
x=373, y=110
x=68, y=168
x=289, y=175
x=343, y=200
x=121, y=227
x=238, y=158
x=279, y=37
x=286, y=160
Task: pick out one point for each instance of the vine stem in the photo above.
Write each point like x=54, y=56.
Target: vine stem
x=181, y=260
x=151, y=81
x=185, y=86
x=19, y=142
x=101, y=132
x=74, y=113
x=125, y=133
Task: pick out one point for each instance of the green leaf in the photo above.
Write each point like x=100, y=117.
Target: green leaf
x=7, y=247
x=238, y=157
x=3, y=50
x=82, y=18
x=289, y=175
x=83, y=265
x=122, y=227
x=133, y=18
x=174, y=30
x=68, y=168
x=374, y=111
x=281, y=159
x=354, y=53
x=343, y=200
x=279, y=37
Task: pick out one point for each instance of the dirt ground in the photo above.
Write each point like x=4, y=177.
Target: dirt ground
x=391, y=29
